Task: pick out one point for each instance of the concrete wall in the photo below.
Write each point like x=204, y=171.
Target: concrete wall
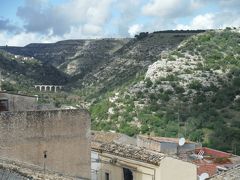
x=148, y=143
x=164, y=147
x=168, y=147
x=172, y=169
x=187, y=147
x=63, y=134
x=19, y=102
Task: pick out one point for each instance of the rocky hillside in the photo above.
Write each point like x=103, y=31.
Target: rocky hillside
x=191, y=91
x=94, y=65
x=21, y=73
x=129, y=61
x=71, y=56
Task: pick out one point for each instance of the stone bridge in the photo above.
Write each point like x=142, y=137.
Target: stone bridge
x=48, y=87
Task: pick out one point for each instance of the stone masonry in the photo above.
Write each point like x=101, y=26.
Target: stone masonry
x=58, y=140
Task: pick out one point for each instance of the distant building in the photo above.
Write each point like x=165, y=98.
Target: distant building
x=122, y=160
x=213, y=162
x=17, y=102
x=165, y=145
x=119, y=157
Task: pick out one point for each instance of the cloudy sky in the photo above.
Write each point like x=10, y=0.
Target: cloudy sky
x=26, y=21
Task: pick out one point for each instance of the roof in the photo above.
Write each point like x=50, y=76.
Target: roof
x=163, y=139
x=232, y=174
x=98, y=138
x=214, y=152
x=12, y=93
x=21, y=171
x=104, y=137
x=132, y=152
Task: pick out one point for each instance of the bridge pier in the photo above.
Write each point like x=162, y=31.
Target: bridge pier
x=48, y=87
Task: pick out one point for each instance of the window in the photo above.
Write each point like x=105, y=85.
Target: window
x=3, y=105
x=107, y=176
x=127, y=174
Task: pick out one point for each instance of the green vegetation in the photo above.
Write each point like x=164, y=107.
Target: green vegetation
x=121, y=99
x=207, y=114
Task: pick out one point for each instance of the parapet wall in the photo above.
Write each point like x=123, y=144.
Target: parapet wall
x=64, y=136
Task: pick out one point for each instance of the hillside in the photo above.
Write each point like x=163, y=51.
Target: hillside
x=94, y=65
x=167, y=83
x=71, y=56
x=129, y=61
x=191, y=91
x=21, y=73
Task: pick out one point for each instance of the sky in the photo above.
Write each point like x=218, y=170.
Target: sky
x=44, y=21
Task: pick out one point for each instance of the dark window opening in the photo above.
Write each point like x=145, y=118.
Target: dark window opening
x=127, y=174
x=3, y=105
x=45, y=154
x=106, y=176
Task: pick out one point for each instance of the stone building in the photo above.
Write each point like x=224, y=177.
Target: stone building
x=55, y=140
x=17, y=102
x=124, y=160
x=118, y=156
x=166, y=145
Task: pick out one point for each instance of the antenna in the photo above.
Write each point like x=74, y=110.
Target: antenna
x=181, y=141
x=203, y=176
x=200, y=154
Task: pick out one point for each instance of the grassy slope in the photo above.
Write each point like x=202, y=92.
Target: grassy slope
x=200, y=112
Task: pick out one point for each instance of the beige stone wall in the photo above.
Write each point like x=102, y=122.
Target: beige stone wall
x=169, y=169
x=141, y=170
x=172, y=169
x=64, y=134
x=149, y=144
x=19, y=102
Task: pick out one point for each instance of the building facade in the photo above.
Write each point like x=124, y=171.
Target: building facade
x=118, y=159
x=127, y=162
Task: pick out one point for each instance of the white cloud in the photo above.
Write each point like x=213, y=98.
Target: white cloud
x=24, y=38
x=92, y=29
x=205, y=21
x=128, y=12
x=169, y=8
x=39, y=16
x=135, y=29
x=212, y=21
x=76, y=19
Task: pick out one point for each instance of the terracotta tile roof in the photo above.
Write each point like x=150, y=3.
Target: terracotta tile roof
x=213, y=152
x=132, y=152
x=211, y=169
x=18, y=170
